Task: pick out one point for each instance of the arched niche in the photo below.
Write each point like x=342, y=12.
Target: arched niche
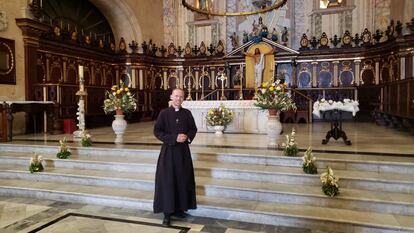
x=346, y=78
x=304, y=79
x=367, y=77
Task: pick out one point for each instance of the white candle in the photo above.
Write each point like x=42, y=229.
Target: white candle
x=80, y=72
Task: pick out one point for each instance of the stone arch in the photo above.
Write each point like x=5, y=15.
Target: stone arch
x=121, y=18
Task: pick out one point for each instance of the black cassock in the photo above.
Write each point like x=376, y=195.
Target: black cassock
x=174, y=179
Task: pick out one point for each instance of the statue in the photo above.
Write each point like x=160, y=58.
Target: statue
x=259, y=60
x=285, y=37
x=255, y=29
x=234, y=40
x=245, y=37
x=274, y=35
x=202, y=5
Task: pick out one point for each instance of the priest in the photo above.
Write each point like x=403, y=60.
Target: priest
x=174, y=178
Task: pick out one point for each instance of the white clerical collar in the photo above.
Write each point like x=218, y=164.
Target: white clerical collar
x=176, y=109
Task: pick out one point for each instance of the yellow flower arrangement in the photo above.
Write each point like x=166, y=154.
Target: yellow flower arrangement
x=219, y=116
x=273, y=96
x=119, y=98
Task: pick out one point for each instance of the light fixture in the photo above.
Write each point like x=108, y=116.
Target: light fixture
x=208, y=10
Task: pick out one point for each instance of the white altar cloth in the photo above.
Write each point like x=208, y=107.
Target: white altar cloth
x=346, y=105
x=247, y=117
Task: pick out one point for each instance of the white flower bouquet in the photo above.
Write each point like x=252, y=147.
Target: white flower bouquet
x=308, y=165
x=64, y=151
x=36, y=164
x=290, y=146
x=330, y=186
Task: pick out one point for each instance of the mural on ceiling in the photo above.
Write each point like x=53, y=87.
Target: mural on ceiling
x=170, y=23
x=382, y=14
x=275, y=21
x=228, y=29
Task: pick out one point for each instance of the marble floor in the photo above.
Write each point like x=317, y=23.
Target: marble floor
x=365, y=137
x=44, y=216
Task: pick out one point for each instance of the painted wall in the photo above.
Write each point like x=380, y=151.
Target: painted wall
x=150, y=18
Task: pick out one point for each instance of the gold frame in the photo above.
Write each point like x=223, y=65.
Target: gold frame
x=275, y=6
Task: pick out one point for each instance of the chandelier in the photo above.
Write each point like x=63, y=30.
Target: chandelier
x=203, y=7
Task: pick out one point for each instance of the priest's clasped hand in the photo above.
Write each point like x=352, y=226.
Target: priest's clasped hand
x=182, y=137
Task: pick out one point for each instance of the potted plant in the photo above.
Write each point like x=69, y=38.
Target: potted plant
x=119, y=100
x=64, y=151
x=290, y=146
x=330, y=186
x=36, y=164
x=219, y=118
x=275, y=98
x=308, y=165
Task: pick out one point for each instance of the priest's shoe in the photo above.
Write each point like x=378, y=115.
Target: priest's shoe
x=167, y=221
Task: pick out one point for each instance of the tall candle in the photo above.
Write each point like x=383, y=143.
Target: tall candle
x=80, y=72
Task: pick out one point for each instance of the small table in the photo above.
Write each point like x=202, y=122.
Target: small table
x=335, y=109
x=31, y=107
x=336, y=131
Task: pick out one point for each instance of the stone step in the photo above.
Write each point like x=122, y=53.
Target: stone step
x=355, y=162
x=313, y=217
x=395, y=203
x=367, y=180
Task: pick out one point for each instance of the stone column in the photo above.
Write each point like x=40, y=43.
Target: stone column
x=180, y=74
x=141, y=79
x=314, y=74
x=165, y=78
x=213, y=78
x=357, y=71
x=335, y=74
x=402, y=68
x=377, y=72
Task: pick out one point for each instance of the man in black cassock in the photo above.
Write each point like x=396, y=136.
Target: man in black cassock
x=174, y=178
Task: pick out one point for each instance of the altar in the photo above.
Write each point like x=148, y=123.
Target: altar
x=247, y=117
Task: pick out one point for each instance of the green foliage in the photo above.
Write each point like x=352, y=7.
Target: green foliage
x=64, y=152
x=330, y=190
x=36, y=164
x=330, y=184
x=308, y=165
x=290, y=146
x=86, y=140
x=310, y=169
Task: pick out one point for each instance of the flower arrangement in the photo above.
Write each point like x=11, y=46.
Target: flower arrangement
x=273, y=96
x=308, y=165
x=64, y=152
x=86, y=139
x=36, y=164
x=290, y=147
x=119, y=98
x=219, y=116
x=330, y=186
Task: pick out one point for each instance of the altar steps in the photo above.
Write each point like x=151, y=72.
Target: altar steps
x=230, y=184
x=394, y=203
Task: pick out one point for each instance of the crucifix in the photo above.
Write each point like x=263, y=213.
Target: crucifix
x=223, y=78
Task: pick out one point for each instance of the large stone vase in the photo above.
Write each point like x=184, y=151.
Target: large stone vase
x=219, y=129
x=274, y=127
x=119, y=125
